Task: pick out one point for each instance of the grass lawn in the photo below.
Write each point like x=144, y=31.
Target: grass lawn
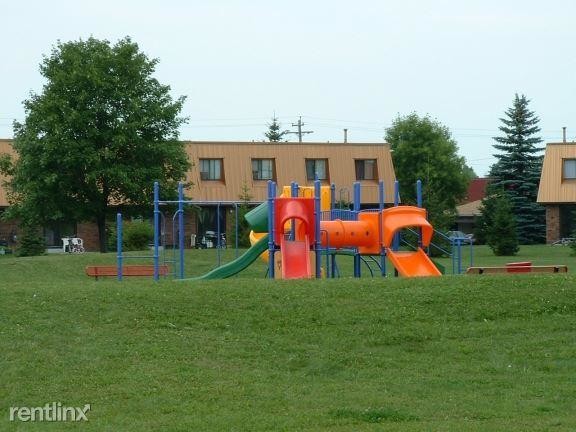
x=457, y=353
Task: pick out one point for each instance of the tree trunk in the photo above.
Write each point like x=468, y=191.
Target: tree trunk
x=102, y=238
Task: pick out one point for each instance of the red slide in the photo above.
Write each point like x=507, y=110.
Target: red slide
x=295, y=259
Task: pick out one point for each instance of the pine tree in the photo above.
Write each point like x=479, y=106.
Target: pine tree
x=274, y=134
x=517, y=170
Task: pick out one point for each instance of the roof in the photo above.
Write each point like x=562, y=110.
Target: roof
x=469, y=209
x=553, y=188
x=476, y=189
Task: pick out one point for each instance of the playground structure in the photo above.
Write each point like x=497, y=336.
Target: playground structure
x=294, y=233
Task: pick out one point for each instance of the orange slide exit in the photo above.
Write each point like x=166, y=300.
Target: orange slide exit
x=408, y=263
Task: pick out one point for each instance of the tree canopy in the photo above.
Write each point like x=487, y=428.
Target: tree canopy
x=100, y=132
x=517, y=171
x=424, y=149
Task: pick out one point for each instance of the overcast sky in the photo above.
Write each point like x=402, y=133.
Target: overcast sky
x=339, y=64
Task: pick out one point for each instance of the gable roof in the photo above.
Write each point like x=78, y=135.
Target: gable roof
x=553, y=188
x=476, y=189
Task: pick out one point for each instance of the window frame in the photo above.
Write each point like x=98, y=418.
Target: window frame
x=207, y=178
x=326, y=169
x=375, y=174
x=259, y=170
x=564, y=177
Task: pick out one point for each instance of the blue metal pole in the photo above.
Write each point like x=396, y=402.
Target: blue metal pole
x=218, y=242
x=459, y=256
x=271, y=232
x=294, y=192
x=236, y=230
x=419, y=204
x=332, y=197
x=396, y=241
x=181, y=227
x=317, y=216
x=119, y=256
x=381, y=197
x=156, y=228
x=357, y=198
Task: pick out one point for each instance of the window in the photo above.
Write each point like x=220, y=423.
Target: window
x=317, y=167
x=569, y=169
x=366, y=169
x=263, y=169
x=211, y=169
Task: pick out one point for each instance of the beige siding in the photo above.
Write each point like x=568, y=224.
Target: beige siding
x=290, y=166
x=5, y=147
x=553, y=188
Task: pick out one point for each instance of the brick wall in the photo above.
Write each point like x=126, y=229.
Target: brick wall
x=552, y=223
x=88, y=232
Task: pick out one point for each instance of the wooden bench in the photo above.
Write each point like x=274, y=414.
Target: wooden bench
x=128, y=270
x=517, y=269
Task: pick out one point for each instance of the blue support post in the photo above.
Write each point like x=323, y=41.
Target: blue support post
x=156, y=228
x=396, y=240
x=317, y=217
x=294, y=192
x=419, y=204
x=236, y=230
x=119, y=256
x=271, y=228
x=332, y=198
x=381, y=198
x=357, y=198
x=218, y=235
x=181, y=228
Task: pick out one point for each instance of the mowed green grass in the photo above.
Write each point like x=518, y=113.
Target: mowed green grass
x=461, y=353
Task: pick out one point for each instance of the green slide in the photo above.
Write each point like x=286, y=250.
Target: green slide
x=239, y=264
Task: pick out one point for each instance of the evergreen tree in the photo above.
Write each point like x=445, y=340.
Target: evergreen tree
x=517, y=170
x=243, y=226
x=501, y=233
x=31, y=241
x=274, y=133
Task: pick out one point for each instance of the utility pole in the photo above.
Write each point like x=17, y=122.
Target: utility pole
x=300, y=131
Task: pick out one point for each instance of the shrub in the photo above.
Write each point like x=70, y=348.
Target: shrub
x=31, y=242
x=501, y=235
x=136, y=235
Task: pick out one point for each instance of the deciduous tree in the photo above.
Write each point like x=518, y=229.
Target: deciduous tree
x=424, y=149
x=100, y=132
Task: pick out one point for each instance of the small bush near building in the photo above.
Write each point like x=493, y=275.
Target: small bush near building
x=136, y=235
x=31, y=242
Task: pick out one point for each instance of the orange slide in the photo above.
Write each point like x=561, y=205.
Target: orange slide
x=408, y=264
